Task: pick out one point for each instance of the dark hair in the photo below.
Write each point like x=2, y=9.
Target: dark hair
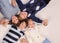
x=29, y=19
x=10, y=22
x=20, y=17
x=17, y=15
x=25, y=20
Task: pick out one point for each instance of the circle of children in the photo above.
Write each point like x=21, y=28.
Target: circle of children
x=20, y=25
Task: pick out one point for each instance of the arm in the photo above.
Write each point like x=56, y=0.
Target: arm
x=41, y=27
x=13, y=3
x=45, y=22
x=23, y=38
x=4, y=22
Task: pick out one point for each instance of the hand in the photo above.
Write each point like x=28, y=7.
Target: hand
x=4, y=22
x=24, y=41
x=45, y=22
x=13, y=3
x=1, y=21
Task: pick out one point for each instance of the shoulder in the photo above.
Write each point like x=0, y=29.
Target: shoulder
x=22, y=32
x=13, y=26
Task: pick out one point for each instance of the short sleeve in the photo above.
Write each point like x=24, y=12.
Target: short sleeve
x=22, y=35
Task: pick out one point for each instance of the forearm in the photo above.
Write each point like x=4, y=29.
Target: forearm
x=13, y=0
x=13, y=3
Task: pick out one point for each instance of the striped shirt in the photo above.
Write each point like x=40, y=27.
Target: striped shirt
x=13, y=35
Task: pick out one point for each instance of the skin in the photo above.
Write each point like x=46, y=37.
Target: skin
x=23, y=15
x=31, y=23
x=22, y=26
x=4, y=22
x=15, y=20
x=23, y=41
x=13, y=3
x=45, y=22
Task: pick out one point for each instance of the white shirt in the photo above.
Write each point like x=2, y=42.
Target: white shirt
x=34, y=36
x=3, y=31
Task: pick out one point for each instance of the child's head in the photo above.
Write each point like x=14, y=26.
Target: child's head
x=30, y=23
x=23, y=24
x=15, y=19
x=23, y=15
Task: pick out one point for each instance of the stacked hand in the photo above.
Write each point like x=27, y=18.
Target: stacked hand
x=45, y=22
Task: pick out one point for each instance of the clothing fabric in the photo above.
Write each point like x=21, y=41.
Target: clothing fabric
x=13, y=35
x=32, y=7
x=33, y=35
x=46, y=41
x=7, y=9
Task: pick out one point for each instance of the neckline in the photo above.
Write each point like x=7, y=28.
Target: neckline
x=26, y=3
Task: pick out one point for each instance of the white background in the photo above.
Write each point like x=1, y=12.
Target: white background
x=52, y=31
x=52, y=10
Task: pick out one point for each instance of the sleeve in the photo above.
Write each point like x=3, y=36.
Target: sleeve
x=22, y=35
x=21, y=6
x=7, y=9
x=41, y=28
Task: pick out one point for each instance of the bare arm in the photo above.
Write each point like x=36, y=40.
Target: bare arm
x=13, y=3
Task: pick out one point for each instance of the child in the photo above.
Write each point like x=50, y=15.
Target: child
x=34, y=34
x=22, y=26
x=23, y=15
x=7, y=9
x=14, y=20
x=15, y=33
x=32, y=7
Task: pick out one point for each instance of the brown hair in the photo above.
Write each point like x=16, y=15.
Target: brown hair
x=20, y=17
x=25, y=20
x=29, y=19
x=10, y=22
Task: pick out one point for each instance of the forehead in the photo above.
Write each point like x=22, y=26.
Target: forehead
x=24, y=13
x=23, y=22
x=30, y=21
x=14, y=17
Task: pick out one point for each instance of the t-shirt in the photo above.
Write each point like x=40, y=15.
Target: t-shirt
x=32, y=7
x=13, y=35
x=7, y=9
x=34, y=36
